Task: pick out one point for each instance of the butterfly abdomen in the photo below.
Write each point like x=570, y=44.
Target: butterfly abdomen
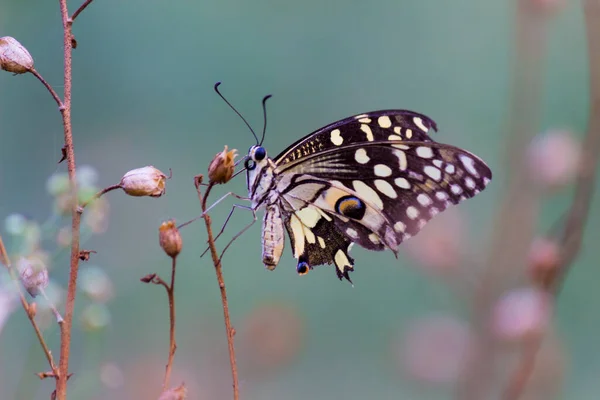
x=273, y=237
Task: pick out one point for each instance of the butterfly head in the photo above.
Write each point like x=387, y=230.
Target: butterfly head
x=257, y=165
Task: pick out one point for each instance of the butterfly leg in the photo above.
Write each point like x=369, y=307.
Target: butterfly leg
x=240, y=233
x=237, y=196
x=235, y=206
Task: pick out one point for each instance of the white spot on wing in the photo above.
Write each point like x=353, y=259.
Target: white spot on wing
x=469, y=164
x=336, y=137
x=360, y=116
x=424, y=200
x=486, y=181
x=419, y=123
x=470, y=183
x=298, y=232
x=399, y=226
x=367, y=130
x=402, y=183
x=433, y=172
x=321, y=242
x=382, y=170
x=441, y=195
x=397, y=129
x=374, y=238
x=365, y=120
x=456, y=189
x=408, y=133
x=394, y=137
x=352, y=233
x=309, y=216
x=450, y=169
x=412, y=212
x=368, y=194
x=361, y=156
x=424, y=152
x=385, y=188
x=384, y=121
x=403, y=163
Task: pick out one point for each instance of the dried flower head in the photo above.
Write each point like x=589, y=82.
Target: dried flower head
x=146, y=181
x=14, y=57
x=33, y=274
x=170, y=238
x=176, y=393
x=221, y=168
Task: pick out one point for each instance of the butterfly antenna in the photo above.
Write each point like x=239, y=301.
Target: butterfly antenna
x=264, y=106
x=236, y=111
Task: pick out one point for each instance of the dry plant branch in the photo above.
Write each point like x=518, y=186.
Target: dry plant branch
x=100, y=194
x=26, y=306
x=80, y=9
x=218, y=270
x=57, y=99
x=172, y=343
x=579, y=210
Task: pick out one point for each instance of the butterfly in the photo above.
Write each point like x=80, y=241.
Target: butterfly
x=373, y=179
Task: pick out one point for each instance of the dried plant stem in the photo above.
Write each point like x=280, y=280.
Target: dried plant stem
x=579, y=210
x=100, y=194
x=218, y=270
x=57, y=99
x=65, y=331
x=172, y=343
x=80, y=9
x=6, y=261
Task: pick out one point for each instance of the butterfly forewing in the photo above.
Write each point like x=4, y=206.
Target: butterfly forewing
x=368, y=127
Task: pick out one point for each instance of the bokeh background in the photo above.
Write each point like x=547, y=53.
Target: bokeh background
x=143, y=77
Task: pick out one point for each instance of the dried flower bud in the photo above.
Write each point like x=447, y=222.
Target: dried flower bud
x=14, y=57
x=33, y=274
x=33, y=309
x=221, y=168
x=554, y=159
x=170, y=238
x=176, y=393
x=146, y=181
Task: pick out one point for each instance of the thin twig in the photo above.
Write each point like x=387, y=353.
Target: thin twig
x=100, y=194
x=26, y=306
x=217, y=263
x=65, y=331
x=578, y=213
x=172, y=343
x=50, y=89
x=80, y=9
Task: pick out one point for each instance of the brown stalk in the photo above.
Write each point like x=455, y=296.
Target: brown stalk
x=218, y=270
x=65, y=109
x=57, y=99
x=579, y=210
x=4, y=259
x=100, y=194
x=157, y=280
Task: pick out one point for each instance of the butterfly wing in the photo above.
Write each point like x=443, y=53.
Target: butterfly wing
x=376, y=193
x=373, y=126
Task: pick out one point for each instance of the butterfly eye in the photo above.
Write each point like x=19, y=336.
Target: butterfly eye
x=249, y=164
x=260, y=153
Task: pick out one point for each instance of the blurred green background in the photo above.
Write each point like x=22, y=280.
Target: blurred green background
x=143, y=77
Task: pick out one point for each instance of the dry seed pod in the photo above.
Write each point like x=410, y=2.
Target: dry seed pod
x=33, y=275
x=221, y=168
x=170, y=238
x=146, y=181
x=14, y=57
